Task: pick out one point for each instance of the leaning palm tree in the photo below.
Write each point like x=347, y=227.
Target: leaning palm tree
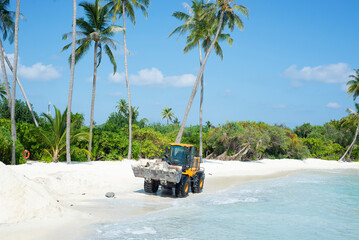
x=353, y=119
x=353, y=85
x=69, y=102
x=14, y=77
x=226, y=11
x=168, y=114
x=96, y=28
x=53, y=135
x=202, y=31
x=126, y=8
x=7, y=26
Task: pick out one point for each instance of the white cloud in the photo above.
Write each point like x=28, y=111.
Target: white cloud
x=39, y=72
x=185, y=80
x=333, y=73
x=36, y=72
x=333, y=105
x=154, y=77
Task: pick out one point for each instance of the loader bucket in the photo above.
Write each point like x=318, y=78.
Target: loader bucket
x=157, y=170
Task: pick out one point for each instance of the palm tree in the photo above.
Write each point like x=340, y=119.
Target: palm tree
x=209, y=125
x=353, y=119
x=7, y=26
x=53, y=135
x=353, y=90
x=96, y=28
x=14, y=76
x=122, y=107
x=168, y=114
x=176, y=121
x=68, y=121
x=201, y=30
x=353, y=85
x=227, y=17
x=126, y=8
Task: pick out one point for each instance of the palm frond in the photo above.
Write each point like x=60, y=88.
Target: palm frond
x=111, y=57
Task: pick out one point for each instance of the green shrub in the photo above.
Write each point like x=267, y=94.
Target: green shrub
x=324, y=149
x=6, y=148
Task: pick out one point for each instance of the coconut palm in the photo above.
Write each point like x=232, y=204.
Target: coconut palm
x=7, y=26
x=53, y=135
x=122, y=107
x=69, y=102
x=168, y=114
x=226, y=11
x=14, y=76
x=209, y=125
x=353, y=85
x=96, y=28
x=126, y=8
x=175, y=121
x=202, y=30
x=353, y=119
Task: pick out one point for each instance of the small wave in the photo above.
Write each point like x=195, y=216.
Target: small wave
x=234, y=200
x=145, y=230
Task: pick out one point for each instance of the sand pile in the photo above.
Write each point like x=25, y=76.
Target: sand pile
x=22, y=199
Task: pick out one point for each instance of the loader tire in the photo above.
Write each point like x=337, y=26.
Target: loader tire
x=198, y=182
x=151, y=186
x=182, y=188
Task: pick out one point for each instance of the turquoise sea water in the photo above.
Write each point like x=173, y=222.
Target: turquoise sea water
x=305, y=205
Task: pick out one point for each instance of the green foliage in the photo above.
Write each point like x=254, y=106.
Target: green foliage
x=53, y=135
x=303, y=130
x=3, y=91
x=250, y=140
x=109, y=145
x=324, y=149
x=151, y=144
x=24, y=134
x=6, y=148
x=22, y=112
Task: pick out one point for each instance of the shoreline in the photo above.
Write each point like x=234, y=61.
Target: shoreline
x=79, y=191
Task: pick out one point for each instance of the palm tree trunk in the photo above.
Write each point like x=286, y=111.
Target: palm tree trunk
x=3, y=69
x=93, y=98
x=68, y=121
x=199, y=76
x=351, y=145
x=21, y=88
x=200, y=107
x=14, y=76
x=127, y=84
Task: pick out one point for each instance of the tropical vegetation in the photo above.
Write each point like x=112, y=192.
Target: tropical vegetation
x=125, y=134
x=95, y=28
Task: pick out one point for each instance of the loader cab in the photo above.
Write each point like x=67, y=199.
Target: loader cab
x=181, y=155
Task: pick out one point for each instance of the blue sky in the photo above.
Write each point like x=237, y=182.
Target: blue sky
x=289, y=65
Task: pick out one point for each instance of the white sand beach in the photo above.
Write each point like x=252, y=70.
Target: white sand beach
x=60, y=201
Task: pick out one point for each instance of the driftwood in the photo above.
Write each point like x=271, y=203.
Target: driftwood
x=210, y=156
x=223, y=156
x=241, y=153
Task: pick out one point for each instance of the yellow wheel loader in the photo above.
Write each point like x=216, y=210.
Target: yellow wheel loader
x=178, y=169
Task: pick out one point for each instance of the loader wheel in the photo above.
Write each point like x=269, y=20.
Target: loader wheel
x=198, y=183
x=151, y=186
x=182, y=188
